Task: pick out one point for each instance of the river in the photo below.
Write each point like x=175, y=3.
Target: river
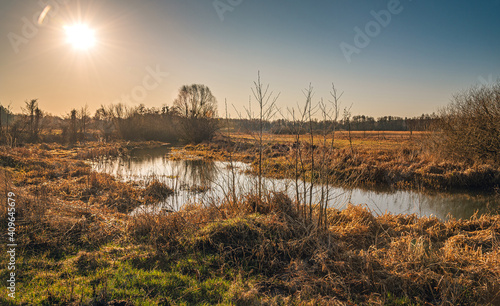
x=210, y=181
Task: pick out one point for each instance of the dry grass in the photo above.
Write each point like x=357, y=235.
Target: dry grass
x=263, y=248
x=375, y=139
x=49, y=224
x=360, y=259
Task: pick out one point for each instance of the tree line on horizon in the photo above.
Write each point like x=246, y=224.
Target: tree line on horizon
x=469, y=127
x=118, y=121
x=191, y=118
x=355, y=123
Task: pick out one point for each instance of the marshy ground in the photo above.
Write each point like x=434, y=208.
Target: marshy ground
x=388, y=159
x=78, y=244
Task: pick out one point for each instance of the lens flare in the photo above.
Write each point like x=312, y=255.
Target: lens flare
x=44, y=13
x=80, y=36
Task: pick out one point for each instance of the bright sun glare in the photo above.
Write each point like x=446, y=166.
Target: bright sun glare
x=80, y=36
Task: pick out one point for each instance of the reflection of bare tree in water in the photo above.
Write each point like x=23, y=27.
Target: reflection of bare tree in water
x=148, y=154
x=196, y=172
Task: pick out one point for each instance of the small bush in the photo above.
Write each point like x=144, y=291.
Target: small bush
x=157, y=191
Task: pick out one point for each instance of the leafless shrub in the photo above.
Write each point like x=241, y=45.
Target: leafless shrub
x=469, y=127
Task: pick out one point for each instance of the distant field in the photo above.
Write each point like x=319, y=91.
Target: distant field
x=371, y=139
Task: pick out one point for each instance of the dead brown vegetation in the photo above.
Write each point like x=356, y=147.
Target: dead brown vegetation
x=358, y=258
x=469, y=127
x=401, y=164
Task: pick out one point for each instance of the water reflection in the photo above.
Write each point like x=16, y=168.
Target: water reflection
x=211, y=181
x=196, y=172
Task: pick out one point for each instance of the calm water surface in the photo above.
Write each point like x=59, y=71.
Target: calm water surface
x=200, y=180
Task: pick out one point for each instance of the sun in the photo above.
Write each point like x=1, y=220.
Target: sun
x=80, y=36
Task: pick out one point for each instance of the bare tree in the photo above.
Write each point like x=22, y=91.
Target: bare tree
x=308, y=93
x=323, y=169
x=103, y=118
x=197, y=108
x=297, y=129
x=266, y=101
x=336, y=110
x=7, y=117
x=73, y=126
x=84, y=115
x=333, y=116
x=30, y=111
x=195, y=101
x=5, y=111
x=347, y=122
x=232, y=183
x=37, y=124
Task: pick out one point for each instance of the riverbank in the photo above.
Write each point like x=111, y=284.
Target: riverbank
x=394, y=161
x=77, y=245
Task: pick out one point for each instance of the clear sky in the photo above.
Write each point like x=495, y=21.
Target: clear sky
x=389, y=57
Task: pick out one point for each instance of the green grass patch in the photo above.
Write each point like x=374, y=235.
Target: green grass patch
x=120, y=273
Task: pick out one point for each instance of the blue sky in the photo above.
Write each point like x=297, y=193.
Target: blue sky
x=413, y=64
